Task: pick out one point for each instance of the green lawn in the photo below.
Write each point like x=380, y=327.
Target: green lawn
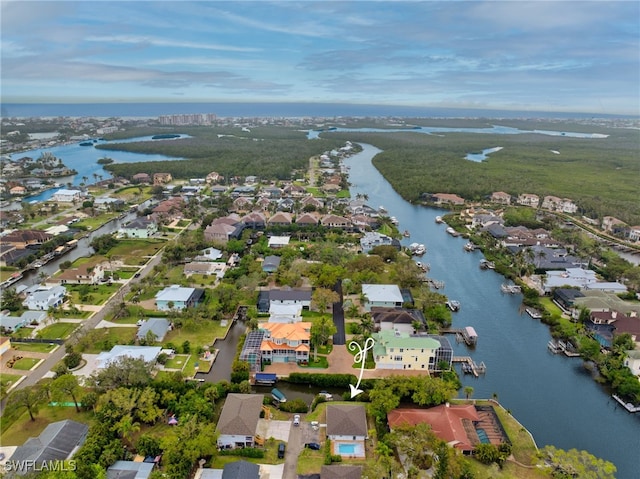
x=96, y=221
x=22, y=333
x=104, y=339
x=136, y=251
x=200, y=334
x=550, y=306
x=310, y=461
x=25, y=364
x=9, y=379
x=97, y=293
x=34, y=347
x=178, y=361
x=57, y=331
x=320, y=363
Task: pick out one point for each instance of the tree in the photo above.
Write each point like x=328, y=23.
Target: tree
x=468, y=391
x=30, y=398
x=322, y=298
x=414, y=442
x=322, y=328
x=66, y=386
x=11, y=300
x=574, y=463
x=126, y=427
x=124, y=371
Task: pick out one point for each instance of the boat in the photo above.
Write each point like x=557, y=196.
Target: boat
x=438, y=219
x=328, y=396
x=534, y=313
x=486, y=264
x=510, y=288
x=278, y=395
x=394, y=220
x=424, y=267
x=417, y=249
x=554, y=347
x=406, y=233
x=452, y=232
x=453, y=305
x=382, y=209
x=86, y=143
x=469, y=246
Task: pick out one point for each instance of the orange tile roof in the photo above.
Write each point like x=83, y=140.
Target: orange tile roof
x=288, y=331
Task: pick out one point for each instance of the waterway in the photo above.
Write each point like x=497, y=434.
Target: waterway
x=551, y=395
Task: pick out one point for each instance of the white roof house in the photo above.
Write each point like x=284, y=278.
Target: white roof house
x=45, y=297
x=579, y=278
x=66, y=196
x=178, y=296
x=147, y=353
x=279, y=241
x=285, y=313
x=371, y=239
x=383, y=295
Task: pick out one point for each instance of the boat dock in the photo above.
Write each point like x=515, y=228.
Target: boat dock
x=562, y=347
x=627, y=405
x=433, y=282
x=468, y=335
x=469, y=366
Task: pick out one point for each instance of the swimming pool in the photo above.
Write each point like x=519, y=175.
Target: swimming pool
x=346, y=448
x=482, y=435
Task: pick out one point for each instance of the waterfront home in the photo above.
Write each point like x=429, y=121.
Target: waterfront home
x=67, y=196
x=632, y=361
x=397, y=319
x=239, y=420
x=178, y=297
x=285, y=312
x=45, y=297
x=566, y=297
x=82, y=274
x=251, y=350
x=57, y=442
x=381, y=295
x=158, y=327
x=446, y=199
x=613, y=225
x=149, y=354
x=24, y=238
x=399, y=350
x=285, y=342
x=463, y=426
x=372, y=240
x=105, y=203
x=142, y=227
x=347, y=429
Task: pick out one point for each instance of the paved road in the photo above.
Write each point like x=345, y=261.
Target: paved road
x=294, y=447
x=87, y=325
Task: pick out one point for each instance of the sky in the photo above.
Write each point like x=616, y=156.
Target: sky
x=571, y=56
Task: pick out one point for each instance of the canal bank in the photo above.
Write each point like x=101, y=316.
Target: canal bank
x=554, y=397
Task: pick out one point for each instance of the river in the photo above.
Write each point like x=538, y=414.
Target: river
x=551, y=395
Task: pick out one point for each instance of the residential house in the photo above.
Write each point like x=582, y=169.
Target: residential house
x=251, y=350
x=149, y=354
x=162, y=178
x=294, y=191
x=291, y=296
x=142, y=227
x=217, y=190
x=254, y=220
x=271, y=264
x=317, y=203
x=209, y=254
x=240, y=470
x=177, y=297
x=632, y=361
x=277, y=242
x=239, y=420
x=565, y=297
x=307, y=219
x=158, y=327
x=285, y=342
x=285, y=313
x=82, y=274
x=563, y=205
x=335, y=221
x=58, y=442
x=501, y=197
x=529, y=199
x=281, y=218
x=45, y=297
x=612, y=224
x=242, y=203
x=214, y=177
x=18, y=190
x=342, y=471
x=206, y=268
x=105, y=203
x=634, y=233
x=285, y=204
x=372, y=240
x=446, y=199
x=347, y=429
x=219, y=233
x=169, y=208
x=264, y=203
x=400, y=350
x=67, y=196
x=141, y=178
x=397, y=319
x=10, y=324
x=383, y=295
x=21, y=239
x=130, y=470
x=273, y=193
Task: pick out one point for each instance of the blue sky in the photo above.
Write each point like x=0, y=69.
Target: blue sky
x=574, y=56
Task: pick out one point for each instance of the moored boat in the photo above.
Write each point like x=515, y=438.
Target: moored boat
x=278, y=395
x=453, y=305
x=452, y=232
x=406, y=233
x=469, y=246
x=486, y=264
x=438, y=219
x=417, y=249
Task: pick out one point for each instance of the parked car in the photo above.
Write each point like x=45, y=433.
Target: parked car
x=296, y=420
x=312, y=445
x=281, y=449
x=325, y=395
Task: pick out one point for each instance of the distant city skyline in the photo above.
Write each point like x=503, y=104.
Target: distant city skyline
x=564, y=56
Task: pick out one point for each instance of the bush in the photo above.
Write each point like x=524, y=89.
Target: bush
x=295, y=405
x=243, y=452
x=163, y=358
x=323, y=380
x=72, y=360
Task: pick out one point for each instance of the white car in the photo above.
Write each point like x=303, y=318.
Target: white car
x=296, y=420
x=325, y=395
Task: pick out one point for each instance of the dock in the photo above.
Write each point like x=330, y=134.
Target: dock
x=469, y=366
x=467, y=334
x=562, y=347
x=627, y=405
x=433, y=282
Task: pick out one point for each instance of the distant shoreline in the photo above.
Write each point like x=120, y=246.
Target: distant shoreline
x=322, y=110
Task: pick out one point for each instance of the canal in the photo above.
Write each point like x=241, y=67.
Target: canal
x=553, y=396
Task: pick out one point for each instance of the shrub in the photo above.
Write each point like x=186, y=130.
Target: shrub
x=243, y=452
x=295, y=405
x=163, y=358
x=72, y=360
x=323, y=380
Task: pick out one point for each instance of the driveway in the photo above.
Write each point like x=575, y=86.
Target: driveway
x=278, y=430
x=294, y=447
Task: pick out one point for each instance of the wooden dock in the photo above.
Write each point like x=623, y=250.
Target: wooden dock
x=469, y=366
x=468, y=335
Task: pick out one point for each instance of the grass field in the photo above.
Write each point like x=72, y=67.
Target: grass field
x=57, y=331
x=25, y=364
x=178, y=361
x=104, y=339
x=136, y=252
x=23, y=428
x=201, y=334
x=8, y=379
x=97, y=293
x=34, y=347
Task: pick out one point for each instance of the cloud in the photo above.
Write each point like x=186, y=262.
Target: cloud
x=143, y=40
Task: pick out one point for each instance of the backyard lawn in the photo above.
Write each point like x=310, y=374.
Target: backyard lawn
x=136, y=251
x=104, y=339
x=23, y=428
x=94, y=294
x=200, y=334
x=177, y=362
x=8, y=379
x=57, y=331
x=34, y=347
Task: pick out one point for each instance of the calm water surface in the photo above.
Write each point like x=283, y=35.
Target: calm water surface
x=550, y=395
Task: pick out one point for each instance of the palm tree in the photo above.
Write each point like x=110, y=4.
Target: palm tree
x=468, y=392
x=126, y=427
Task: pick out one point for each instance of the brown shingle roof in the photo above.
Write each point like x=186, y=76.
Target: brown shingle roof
x=346, y=420
x=240, y=414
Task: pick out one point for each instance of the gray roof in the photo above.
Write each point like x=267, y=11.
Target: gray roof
x=159, y=327
x=130, y=470
x=175, y=293
x=289, y=295
x=240, y=414
x=346, y=420
x=341, y=472
x=55, y=443
x=241, y=470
